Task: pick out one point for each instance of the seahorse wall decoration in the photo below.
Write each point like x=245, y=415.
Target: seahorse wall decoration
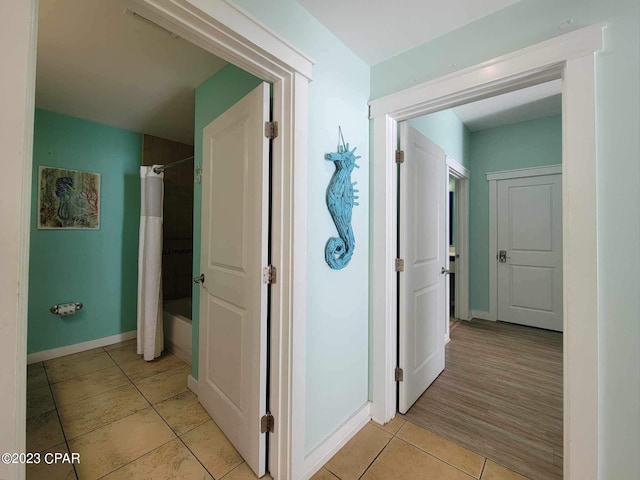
x=340, y=201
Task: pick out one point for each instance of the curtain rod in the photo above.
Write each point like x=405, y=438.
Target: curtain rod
x=162, y=168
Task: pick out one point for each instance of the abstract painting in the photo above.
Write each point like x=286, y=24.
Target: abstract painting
x=68, y=199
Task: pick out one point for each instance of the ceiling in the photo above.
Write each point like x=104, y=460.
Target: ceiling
x=99, y=63
x=376, y=30
x=530, y=103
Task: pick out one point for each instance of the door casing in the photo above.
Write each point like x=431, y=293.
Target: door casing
x=570, y=57
x=225, y=30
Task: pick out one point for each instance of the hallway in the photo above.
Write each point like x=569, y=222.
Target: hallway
x=500, y=395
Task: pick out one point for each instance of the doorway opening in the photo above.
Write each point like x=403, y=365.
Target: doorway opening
x=159, y=48
x=501, y=395
x=556, y=58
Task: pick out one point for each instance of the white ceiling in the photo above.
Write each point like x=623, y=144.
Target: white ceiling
x=376, y=30
x=530, y=103
x=98, y=63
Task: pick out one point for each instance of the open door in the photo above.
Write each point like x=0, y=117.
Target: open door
x=422, y=246
x=233, y=303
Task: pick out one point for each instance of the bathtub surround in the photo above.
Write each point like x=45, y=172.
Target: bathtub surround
x=177, y=233
x=177, y=328
x=95, y=267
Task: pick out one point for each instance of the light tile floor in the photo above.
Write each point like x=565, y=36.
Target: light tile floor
x=131, y=419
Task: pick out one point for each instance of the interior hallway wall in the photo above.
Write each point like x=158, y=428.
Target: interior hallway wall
x=534, y=143
x=96, y=267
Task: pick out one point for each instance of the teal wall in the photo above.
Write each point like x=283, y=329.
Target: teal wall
x=618, y=175
x=447, y=131
x=337, y=326
x=213, y=97
x=96, y=267
x=527, y=144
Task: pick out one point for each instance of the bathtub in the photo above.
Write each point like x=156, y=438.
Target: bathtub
x=177, y=327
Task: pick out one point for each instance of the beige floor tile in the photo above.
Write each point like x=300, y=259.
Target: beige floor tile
x=72, y=357
x=88, y=385
x=110, y=447
x=244, y=472
x=39, y=401
x=99, y=410
x=114, y=346
x=70, y=367
x=171, y=461
x=404, y=461
x=453, y=454
x=493, y=471
x=43, y=431
x=34, y=366
x=393, y=426
x=165, y=385
x=138, y=369
x=183, y=412
x=124, y=352
x=324, y=474
x=354, y=458
x=213, y=449
x=36, y=377
x=53, y=471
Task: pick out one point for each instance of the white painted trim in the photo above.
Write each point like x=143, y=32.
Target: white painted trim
x=383, y=276
x=572, y=57
x=525, y=67
x=524, y=172
x=80, y=347
x=493, y=250
x=480, y=315
x=456, y=169
x=192, y=384
x=493, y=178
x=329, y=447
x=238, y=37
x=461, y=175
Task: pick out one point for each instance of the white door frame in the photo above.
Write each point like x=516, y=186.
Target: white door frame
x=228, y=32
x=492, y=178
x=461, y=176
x=570, y=57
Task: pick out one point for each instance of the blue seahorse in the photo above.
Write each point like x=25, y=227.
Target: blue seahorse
x=340, y=201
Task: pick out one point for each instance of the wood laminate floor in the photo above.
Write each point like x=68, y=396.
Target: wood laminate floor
x=500, y=395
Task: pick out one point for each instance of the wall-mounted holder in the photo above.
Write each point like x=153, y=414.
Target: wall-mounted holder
x=65, y=309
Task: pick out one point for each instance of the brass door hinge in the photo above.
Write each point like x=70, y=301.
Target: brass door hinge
x=399, y=156
x=399, y=374
x=399, y=265
x=271, y=130
x=266, y=423
x=269, y=274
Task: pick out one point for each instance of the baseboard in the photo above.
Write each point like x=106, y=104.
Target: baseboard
x=80, y=347
x=192, y=383
x=482, y=315
x=328, y=448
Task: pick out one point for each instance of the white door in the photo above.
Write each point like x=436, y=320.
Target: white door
x=423, y=248
x=233, y=300
x=530, y=235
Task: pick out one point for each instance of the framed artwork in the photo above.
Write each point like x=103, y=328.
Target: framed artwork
x=68, y=199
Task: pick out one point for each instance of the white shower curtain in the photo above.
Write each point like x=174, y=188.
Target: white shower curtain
x=150, y=334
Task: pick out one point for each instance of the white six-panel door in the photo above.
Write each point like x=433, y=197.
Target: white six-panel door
x=423, y=178
x=530, y=233
x=233, y=300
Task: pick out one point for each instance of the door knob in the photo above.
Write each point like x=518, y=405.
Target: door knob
x=444, y=271
x=199, y=279
x=502, y=256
